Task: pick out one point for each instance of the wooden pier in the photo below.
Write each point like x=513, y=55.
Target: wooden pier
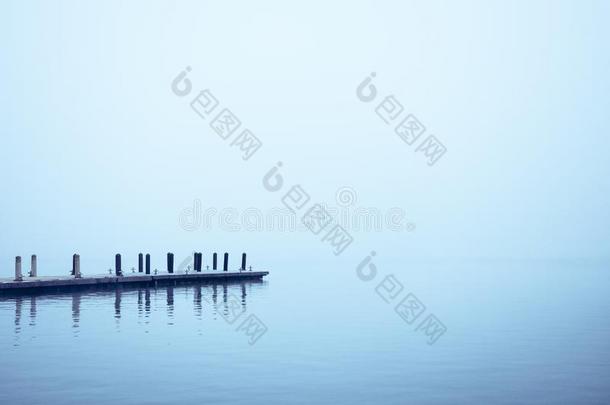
x=33, y=282
x=29, y=284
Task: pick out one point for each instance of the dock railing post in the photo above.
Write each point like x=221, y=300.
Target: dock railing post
x=18, y=276
x=34, y=267
x=140, y=263
x=77, y=266
x=225, y=265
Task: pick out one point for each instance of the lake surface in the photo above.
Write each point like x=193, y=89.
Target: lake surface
x=517, y=332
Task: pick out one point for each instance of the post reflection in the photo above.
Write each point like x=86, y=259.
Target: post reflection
x=243, y=296
x=197, y=307
x=147, y=302
x=214, y=294
x=169, y=292
x=76, y=299
x=214, y=300
x=33, y=310
x=140, y=301
x=18, y=307
x=117, y=303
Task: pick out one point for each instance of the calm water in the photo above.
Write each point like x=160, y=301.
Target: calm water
x=517, y=332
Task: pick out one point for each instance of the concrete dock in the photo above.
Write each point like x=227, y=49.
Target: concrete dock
x=30, y=284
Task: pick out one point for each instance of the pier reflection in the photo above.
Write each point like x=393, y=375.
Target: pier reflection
x=139, y=302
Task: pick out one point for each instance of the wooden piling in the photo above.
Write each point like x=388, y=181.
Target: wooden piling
x=34, y=267
x=225, y=265
x=140, y=263
x=170, y=262
x=243, y=261
x=18, y=276
x=147, y=263
x=198, y=261
x=214, y=261
x=118, y=271
x=77, y=266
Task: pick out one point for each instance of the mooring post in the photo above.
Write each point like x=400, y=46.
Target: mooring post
x=225, y=265
x=198, y=260
x=77, y=266
x=117, y=265
x=73, y=263
x=18, y=276
x=140, y=263
x=243, y=261
x=34, y=269
x=147, y=263
x=170, y=262
x=214, y=261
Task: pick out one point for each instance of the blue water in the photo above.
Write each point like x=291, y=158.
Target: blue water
x=517, y=332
